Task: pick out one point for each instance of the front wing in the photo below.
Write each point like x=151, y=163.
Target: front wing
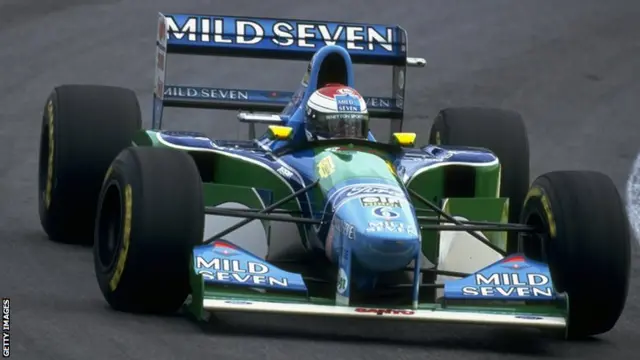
x=514, y=291
x=432, y=313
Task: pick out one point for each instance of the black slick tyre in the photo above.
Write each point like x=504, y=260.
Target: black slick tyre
x=150, y=216
x=501, y=131
x=586, y=243
x=84, y=127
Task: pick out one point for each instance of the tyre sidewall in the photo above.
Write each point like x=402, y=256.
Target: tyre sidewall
x=48, y=201
x=545, y=247
x=120, y=175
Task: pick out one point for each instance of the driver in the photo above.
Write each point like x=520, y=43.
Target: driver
x=336, y=111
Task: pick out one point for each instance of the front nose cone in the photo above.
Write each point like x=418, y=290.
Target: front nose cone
x=386, y=245
x=386, y=236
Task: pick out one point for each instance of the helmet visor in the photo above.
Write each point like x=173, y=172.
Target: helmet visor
x=341, y=125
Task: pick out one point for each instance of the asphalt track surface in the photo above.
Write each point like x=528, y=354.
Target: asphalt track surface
x=571, y=67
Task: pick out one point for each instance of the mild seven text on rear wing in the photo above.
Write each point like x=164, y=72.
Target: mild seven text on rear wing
x=259, y=100
x=281, y=38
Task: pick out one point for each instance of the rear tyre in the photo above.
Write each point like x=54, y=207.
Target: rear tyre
x=150, y=216
x=84, y=127
x=501, y=131
x=587, y=245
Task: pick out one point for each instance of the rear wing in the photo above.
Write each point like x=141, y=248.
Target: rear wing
x=274, y=39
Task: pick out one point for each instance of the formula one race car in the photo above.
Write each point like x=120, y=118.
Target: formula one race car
x=450, y=231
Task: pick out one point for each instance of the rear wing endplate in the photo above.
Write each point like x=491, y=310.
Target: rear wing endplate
x=274, y=39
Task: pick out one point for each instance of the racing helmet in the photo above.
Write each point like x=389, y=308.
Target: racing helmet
x=337, y=111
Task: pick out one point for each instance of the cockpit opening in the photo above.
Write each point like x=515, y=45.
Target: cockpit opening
x=332, y=71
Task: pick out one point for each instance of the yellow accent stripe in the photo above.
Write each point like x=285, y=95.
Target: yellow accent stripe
x=126, y=234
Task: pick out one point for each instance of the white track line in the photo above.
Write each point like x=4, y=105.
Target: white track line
x=633, y=198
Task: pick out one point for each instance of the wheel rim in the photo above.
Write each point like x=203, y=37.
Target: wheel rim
x=534, y=245
x=109, y=227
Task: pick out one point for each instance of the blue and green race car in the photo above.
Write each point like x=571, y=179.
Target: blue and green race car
x=450, y=231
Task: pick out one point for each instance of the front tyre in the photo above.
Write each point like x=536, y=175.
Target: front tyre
x=587, y=245
x=150, y=216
